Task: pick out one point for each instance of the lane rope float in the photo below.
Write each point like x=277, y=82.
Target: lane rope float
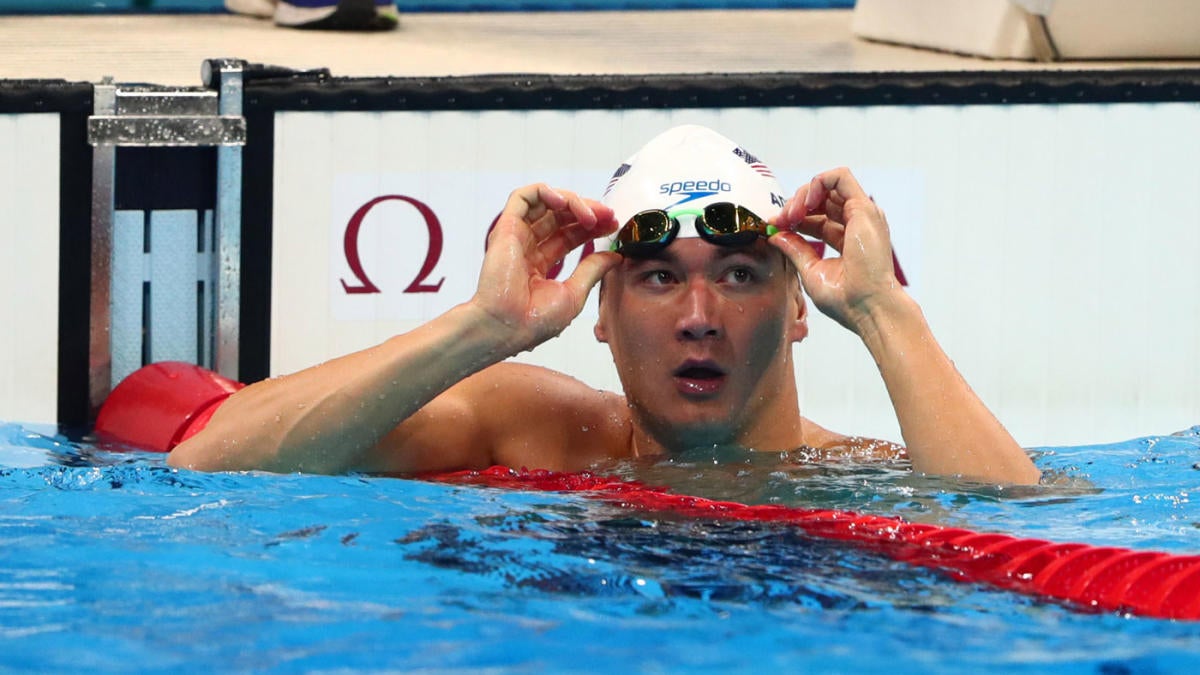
x=160, y=405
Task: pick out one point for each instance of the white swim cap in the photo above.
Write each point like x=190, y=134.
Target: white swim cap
x=691, y=166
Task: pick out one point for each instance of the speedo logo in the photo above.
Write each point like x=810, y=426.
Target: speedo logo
x=694, y=189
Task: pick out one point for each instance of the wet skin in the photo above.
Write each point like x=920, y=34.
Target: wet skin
x=701, y=336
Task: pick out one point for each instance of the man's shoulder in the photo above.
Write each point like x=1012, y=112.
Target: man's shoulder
x=833, y=445
x=532, y=395
x=545, y=418
x=516, y=381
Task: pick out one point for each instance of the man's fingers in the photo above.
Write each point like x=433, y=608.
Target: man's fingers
x=588, y=273
x=543, y=227
x=810, y=200
x=531, y=201
x=545, y=209
x=821, y=227
x=838, y=186
x=793, y=210
x=556, y=247
x=553, y=199
x=796, y=249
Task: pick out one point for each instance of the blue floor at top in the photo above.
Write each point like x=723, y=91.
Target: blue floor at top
x=102, y=6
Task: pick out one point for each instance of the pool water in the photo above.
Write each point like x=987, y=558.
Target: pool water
x=111, y=561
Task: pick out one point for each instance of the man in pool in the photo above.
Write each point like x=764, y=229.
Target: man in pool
x=700, y=304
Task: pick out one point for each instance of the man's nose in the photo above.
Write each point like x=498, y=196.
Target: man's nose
x=700, y=316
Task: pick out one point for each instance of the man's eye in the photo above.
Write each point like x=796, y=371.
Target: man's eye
x=659, y=277
x=739, y=275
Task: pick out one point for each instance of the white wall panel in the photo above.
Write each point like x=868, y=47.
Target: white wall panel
x=1053, y=248
x=127, y=299
x=29, y=267
x=173, y=296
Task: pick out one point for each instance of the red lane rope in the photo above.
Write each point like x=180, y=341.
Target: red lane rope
x=1144, y=583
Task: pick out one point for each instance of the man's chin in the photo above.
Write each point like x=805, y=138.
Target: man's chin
x=686, y=434
x=686, y=424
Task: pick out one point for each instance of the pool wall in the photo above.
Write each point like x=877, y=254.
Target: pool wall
x=45, y=188
x=1046, y=222
x=29, y=265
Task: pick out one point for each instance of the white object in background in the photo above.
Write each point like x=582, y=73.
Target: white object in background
x=992, y=28
x=1043, y=29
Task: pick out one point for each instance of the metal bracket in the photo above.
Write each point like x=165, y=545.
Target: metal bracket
x=154, y=116
x=227, y=76
x=151, y=116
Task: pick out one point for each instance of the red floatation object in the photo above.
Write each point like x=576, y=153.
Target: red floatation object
x=161, y=405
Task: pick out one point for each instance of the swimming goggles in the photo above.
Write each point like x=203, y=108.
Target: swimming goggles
x=722, y=223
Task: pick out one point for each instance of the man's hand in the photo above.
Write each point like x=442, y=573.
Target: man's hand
x=538, y=227
x=834, y=208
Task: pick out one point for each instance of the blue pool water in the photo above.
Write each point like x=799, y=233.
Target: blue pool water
x=113, y=562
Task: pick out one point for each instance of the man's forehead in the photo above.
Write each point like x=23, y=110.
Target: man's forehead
x=680, y=250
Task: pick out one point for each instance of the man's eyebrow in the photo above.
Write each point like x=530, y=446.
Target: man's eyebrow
x=662, y=255
x=758, y=253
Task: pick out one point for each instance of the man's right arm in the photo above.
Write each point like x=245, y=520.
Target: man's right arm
x=332, y=417
x=328, y=418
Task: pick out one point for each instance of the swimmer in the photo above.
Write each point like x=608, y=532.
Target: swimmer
x=700, y=303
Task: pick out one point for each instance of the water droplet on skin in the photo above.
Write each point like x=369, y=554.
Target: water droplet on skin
x=583, y=428
x=278, y=418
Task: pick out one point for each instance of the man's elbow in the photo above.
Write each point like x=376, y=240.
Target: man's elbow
x=185, y=456
x=199, y=454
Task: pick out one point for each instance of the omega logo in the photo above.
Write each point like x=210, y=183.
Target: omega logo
x=433, y=253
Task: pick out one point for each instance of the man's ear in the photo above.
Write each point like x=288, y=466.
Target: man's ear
x=600, y=330
x=799, y=328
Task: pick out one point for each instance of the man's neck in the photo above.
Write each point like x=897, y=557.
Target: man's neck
x=778, y=426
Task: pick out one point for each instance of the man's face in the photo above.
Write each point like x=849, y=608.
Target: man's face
x=701, y=336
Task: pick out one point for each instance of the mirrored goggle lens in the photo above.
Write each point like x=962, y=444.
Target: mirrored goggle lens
x=731, y=225
x=646, y=230
x=722, y=223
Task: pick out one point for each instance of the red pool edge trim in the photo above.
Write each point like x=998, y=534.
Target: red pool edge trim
x=1147, y=583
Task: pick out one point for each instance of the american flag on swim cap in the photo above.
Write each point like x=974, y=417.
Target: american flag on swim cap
x=621, y=171
x=762, y=169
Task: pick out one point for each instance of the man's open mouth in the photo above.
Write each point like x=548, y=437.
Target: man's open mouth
x=698, y=373
x=699, y=377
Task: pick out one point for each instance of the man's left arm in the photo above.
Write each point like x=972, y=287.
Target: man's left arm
x=948, y=430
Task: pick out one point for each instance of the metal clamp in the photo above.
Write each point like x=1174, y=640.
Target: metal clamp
x=151, y=116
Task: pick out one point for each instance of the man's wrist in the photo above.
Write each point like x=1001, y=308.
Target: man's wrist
x=484, y=333
x=890, y=322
